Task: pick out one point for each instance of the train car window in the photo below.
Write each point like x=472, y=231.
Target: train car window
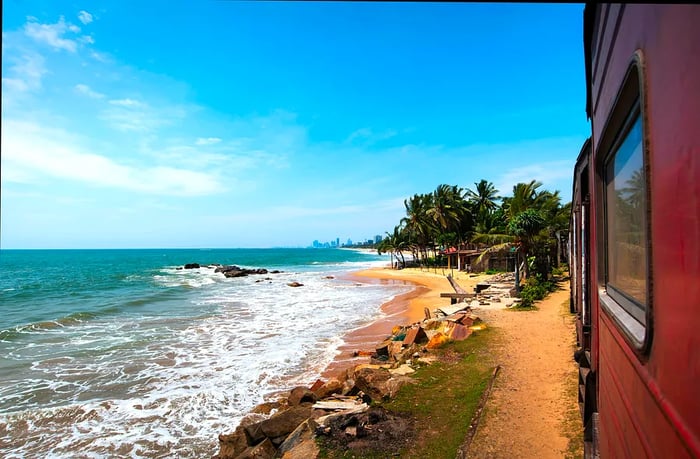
x=623, y=181
x=625, y=190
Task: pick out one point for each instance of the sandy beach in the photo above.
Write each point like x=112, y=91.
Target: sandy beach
x=525, y=416
x=402, y=310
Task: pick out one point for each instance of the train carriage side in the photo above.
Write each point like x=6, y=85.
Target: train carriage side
x=643, y=99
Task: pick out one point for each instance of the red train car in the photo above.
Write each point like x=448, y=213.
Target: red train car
x=635, y=233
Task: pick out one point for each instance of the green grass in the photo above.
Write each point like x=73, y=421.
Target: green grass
x=572, y=426
x=443, y=401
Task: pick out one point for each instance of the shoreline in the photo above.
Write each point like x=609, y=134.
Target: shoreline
x=404, y=309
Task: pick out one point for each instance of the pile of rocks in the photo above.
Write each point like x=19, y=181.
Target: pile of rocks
x=340, y=406
x=230, y=270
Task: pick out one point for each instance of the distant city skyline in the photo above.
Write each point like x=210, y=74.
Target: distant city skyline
x=333, y=243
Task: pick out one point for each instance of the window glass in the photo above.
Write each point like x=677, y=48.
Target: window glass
x=627, y=223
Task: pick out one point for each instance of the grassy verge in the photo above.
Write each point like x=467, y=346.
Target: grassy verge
x=442, y=402
x=572, y=427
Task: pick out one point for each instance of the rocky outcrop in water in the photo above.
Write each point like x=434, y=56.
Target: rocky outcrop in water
x=231, y=270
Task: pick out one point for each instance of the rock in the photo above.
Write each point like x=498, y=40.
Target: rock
x=332, y=386
x=286, y=421
x=276, y=271
x=402, y=370
x=295, y=284
x=231, y=445
x=415, y=335
x=223, y=269
x=329, y=277
x=300, y=444
x=264, y=450
x=457, y=332
x=438, y=340
x=383, y=347
x=192, y=266
x=315, y=386
x=300, y=395
x=395, y=349
x=266, y=408
x=235, y=273
x=372, y=381
x=395, y=384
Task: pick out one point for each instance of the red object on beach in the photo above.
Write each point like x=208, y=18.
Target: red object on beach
x=635, y=233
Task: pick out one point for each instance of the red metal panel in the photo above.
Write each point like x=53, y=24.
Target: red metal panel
x=663, y=404
x=645, y=426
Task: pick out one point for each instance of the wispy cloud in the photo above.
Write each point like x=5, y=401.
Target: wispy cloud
x=52, y=34
x=26, y=72
x=207, y=140
x=126, y=102
x=30, y=150
x=368, y=136
x=87, y=91
x=132, y=115
x=85, y=17
x=546, y=172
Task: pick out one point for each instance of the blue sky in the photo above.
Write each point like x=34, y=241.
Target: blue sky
x=237, y=124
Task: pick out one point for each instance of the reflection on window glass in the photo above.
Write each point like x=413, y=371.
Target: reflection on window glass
x=626, y=224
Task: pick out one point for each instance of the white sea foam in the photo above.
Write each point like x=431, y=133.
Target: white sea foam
x=167, y=385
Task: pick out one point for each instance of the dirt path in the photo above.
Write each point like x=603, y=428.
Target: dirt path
x=525, y=416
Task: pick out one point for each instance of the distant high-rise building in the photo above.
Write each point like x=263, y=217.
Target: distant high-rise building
x=349, y=242
x=377, y=239
x=337, y=242
x=316, y=244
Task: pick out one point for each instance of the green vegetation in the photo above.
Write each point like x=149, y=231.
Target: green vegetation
x=572, y=426
x=532, y=223
x=442, y=402
x=534, y=290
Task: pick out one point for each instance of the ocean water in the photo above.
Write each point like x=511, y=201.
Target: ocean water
x=117, y=353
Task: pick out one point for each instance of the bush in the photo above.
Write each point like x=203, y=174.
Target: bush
x=534, y=290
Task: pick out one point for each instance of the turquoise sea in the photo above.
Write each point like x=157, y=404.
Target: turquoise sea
x=122, y=353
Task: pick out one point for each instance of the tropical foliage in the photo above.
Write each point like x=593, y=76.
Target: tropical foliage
x=531, y=222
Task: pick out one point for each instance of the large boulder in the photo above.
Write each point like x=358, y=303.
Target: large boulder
x=264, y=450
x=330, y=387
x=372, y=381
x=233, y=444
x=300, y=444
x=223, y=269
x=192, y=266
x=300, y=395
x=281, y=423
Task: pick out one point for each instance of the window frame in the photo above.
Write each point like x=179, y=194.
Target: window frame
x=629, y=106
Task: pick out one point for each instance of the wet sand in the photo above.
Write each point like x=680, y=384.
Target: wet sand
x=404, y=309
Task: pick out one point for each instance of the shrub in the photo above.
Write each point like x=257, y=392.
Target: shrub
x=534, y=290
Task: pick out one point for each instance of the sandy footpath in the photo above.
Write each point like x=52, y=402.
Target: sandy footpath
x=524, y=416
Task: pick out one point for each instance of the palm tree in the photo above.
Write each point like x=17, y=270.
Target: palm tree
x=416, y=222
x=524, y=197
x=484, y=198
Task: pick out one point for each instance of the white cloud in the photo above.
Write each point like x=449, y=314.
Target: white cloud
x=52, y=34
x=30, y=150
x=126, y=102
x=547, y=172
x=87, y=91
x=85, y=17
x=368, y=136
x=26, y=73
x=87, y=39
x=207, y=140
x=135, y=116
